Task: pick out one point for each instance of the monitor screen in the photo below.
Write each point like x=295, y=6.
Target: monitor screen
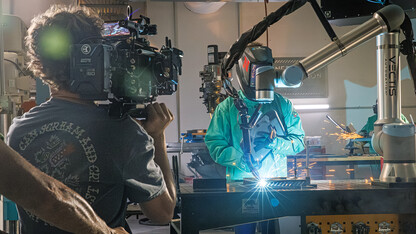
x=113, y=29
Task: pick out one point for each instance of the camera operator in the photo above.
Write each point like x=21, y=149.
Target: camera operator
x=105, y=160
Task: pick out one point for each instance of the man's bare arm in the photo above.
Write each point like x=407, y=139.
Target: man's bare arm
x=160, y=209
x=46, y=197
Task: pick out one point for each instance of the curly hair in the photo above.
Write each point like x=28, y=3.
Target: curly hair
x=50, y=36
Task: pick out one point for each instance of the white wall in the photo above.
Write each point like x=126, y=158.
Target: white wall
x=195, y=32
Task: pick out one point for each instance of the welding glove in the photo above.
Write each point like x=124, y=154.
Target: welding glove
x=265, y=139
x=265, y=133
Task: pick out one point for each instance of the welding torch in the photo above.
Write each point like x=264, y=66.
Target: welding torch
x=248, y=158
x=246, y=124
x=345, y=129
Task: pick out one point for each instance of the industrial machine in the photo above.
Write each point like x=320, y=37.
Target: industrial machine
x=16, y=87
x=392, y=138
x=211, y=80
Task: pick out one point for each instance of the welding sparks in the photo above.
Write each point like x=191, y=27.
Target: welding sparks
x=262, y=183
x=346, y=136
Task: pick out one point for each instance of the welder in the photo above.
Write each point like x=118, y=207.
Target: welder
x=277, y=133
x=268, y=140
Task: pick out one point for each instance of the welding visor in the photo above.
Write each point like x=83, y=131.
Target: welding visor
x=248, y=65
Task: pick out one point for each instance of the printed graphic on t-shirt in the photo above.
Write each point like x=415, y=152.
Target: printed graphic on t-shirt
x=53, y=156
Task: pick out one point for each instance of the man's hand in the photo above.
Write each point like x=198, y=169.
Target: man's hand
x=158, y=118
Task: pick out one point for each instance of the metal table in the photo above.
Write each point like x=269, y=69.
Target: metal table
x=184, y=147
x=175, y=147
x=241, y=204
x=321, y=161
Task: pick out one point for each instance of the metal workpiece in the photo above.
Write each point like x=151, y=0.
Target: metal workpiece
x=388, y=78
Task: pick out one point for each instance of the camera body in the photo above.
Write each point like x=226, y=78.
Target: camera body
x=123, y=68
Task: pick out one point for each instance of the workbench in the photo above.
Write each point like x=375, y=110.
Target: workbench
x=241, y=204
x=319, y=162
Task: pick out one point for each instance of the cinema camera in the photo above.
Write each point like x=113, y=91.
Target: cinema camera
x=123, y=68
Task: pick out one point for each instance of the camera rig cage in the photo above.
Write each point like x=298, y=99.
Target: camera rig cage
x=123, y=68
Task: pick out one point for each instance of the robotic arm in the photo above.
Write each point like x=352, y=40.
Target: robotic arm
x=385, y=20
x=392, y=139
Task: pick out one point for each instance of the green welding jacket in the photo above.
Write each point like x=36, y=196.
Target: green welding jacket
x=369, y=126
x=224, y=138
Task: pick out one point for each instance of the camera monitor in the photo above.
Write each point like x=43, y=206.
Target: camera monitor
x=114, y=29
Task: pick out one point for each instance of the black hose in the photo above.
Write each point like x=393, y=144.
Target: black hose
x=237, y=49
x=408, y=48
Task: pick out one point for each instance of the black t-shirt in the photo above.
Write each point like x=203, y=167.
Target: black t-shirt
x=105, y=160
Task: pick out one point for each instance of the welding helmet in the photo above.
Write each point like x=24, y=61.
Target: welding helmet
x=256, y=60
